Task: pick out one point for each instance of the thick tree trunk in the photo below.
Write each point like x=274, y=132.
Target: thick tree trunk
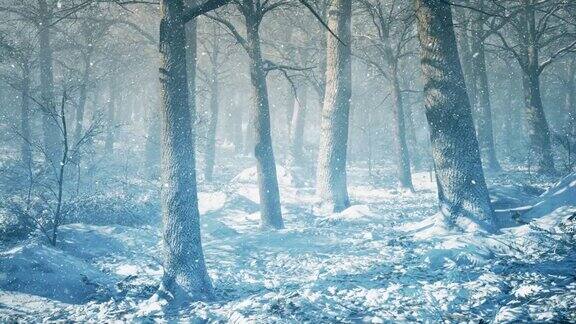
x=270, y=212
x=482, y=99
x=331, y=173
x=537, y=125
x=213, y=120
x=462, y=191
x=185, y=277
x=403, y=172
x=466, y=55
x=191, y=32
x=49, y=116
x=25, y=146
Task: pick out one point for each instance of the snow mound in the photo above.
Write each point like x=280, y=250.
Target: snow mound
x=90, y=262
x=211, y=201
x=250, y=176
x=512, y=196
x=354, y=213
x=554, y=205
x=45, y=271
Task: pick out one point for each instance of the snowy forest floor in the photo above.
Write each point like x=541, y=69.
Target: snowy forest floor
x=382, y=260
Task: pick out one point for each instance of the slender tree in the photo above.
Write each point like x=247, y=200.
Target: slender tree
x=391, y=49
x=253, y=12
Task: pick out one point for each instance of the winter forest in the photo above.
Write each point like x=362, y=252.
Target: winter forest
x=288, y=161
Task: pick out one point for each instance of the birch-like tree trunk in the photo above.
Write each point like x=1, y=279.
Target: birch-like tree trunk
x=270, y=212
x=185, y=276
x=462, y=190
x=331, y=173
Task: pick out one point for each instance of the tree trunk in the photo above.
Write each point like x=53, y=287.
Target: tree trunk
x=404, y=174
x=185, y=277
x=466, y=54
x=537, y=126
x=191, y=31
x=462, y=191
x=297, y=127
x=411, y=138
x=238, y=134
x=111, y=118
x=295, y=152
x=213, y=120
x=331, y=173
x=25, y=151
x=508, y=135
x=152, y=148
x=570, y=107
x=50, y=115
x=270, y=212
x=538, y=131
x=482, y=98
x=82, y=101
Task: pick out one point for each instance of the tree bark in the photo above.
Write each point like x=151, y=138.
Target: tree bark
x=270, y=212
x=462, y=190
x=537, y=125
x=464, y=41
x=185, y=277
x=331, y=173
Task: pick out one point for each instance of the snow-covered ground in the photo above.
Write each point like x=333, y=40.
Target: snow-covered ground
x=384, y=259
